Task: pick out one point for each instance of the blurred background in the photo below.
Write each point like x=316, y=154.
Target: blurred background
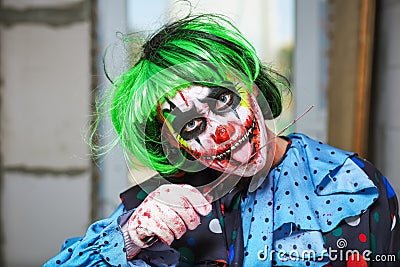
x=341, y=56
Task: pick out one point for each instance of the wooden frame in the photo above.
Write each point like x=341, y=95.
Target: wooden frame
x=350, y=60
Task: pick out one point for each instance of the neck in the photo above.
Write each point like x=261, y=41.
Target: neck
x=280, y=150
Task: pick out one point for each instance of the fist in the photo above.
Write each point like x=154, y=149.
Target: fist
x=167, y=213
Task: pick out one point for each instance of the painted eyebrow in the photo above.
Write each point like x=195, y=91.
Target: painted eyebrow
x=179, y=118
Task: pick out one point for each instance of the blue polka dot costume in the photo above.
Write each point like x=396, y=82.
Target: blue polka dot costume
x=316, y=205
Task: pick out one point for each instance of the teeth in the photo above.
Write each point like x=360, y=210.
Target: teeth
x=235, y=145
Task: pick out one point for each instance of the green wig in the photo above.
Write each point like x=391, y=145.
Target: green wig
x=199, y=50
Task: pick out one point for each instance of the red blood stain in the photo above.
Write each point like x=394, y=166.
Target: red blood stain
x=184, y=99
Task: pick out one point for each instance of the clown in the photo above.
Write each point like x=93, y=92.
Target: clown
x=229, y=191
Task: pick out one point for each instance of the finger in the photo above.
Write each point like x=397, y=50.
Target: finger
x=197, y=201
x=172, y=195
x=150, y=227
x=173, y=221
x=188, y=214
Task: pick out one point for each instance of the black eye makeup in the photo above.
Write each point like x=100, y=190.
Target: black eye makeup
x=191, y=123
x=222, y=99
x=193, y=128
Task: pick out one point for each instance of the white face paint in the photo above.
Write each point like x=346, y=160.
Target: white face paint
x=221, y=127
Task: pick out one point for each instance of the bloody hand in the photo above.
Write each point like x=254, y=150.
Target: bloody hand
x=167, y=213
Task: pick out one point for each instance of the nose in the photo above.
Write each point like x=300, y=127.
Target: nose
x=221, y=135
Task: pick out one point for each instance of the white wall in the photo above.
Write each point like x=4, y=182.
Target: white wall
x=45, y=97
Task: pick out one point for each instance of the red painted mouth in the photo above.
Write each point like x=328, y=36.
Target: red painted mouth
x=250, y=134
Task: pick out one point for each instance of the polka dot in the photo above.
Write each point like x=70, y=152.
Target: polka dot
x=307, y=197
x=348, y=171
x=295, y=164
x=296, y=183
x=234, y=234
x=269, y=203
x=316, y=158
x=80, y=253
x=305, y=177
x=353, y=220
x=278, y=207
x=315, y=171
x=187, y=255
x=266, y=220
x=287, y=193
x=328, y=202
x=318, y=149
x=376, y=216
x=332, y=152
x=215, y=226
x=351, y=200
x=246, y=254
x=393, y=223
x=337, y=232
x=141, y=195
x=355, y=184
x=255, y=202
x=70, y=250
x=356, y=259
x=191, y=241
x=329, y=223
x=309, y=246
x=291, y=212
x=250, y=236
x=372, y=242
x=252, y=219
x=264, y=238
x=285, y=173
x=279, y=246
x=362, y=238
x=58, y=261
x=339, y=209
x=309, y=218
